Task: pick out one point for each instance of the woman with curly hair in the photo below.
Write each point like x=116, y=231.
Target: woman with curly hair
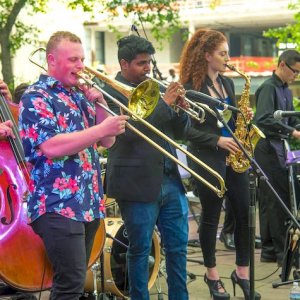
x=202, y=63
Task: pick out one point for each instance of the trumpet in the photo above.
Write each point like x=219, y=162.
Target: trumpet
x=197, y=109
x=142, y=101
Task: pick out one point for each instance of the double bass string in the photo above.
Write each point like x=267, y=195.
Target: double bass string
x=15, y=143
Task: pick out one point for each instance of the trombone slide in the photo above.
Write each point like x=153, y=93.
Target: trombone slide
x=220, y=192
x=144, y=110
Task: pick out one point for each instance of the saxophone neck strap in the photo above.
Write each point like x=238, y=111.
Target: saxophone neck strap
x=211, y=85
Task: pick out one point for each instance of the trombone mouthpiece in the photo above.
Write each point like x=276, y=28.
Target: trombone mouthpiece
x=84, y=79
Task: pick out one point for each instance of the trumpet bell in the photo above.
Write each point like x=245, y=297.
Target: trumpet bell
x=144, y=98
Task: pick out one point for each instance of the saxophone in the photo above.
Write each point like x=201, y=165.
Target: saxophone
x=248, y=139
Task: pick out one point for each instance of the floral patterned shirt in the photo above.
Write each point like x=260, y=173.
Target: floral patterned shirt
x=69, y=185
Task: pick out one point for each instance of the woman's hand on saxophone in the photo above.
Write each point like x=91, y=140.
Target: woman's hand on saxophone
x=228, y=143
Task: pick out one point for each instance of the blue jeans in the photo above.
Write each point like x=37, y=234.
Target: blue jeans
x=170, y=213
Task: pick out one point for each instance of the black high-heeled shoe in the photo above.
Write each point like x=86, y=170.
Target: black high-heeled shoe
x=244, y=284
x=214, y=287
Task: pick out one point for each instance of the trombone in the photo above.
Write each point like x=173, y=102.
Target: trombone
x=197, y=109
x=143, y=100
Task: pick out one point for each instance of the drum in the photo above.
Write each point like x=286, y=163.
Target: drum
x=115, y=267
x=98, y=244
x=111, y=208
x=109, y=202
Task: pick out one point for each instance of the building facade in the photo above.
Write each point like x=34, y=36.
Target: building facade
x=242, y=21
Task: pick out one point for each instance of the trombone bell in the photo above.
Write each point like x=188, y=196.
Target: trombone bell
x=142, y=100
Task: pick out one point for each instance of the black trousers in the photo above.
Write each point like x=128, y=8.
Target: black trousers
x=272, y=217
x=68, y=245
x=228, y=226
x=238, y=194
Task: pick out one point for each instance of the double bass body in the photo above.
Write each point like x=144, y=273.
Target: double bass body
x=23, y=260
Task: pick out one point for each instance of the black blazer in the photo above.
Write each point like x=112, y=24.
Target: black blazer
x=203, y=137
x=134, y=167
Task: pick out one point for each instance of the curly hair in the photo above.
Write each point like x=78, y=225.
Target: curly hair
x=193, y=65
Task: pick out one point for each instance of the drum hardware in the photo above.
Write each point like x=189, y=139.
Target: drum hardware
x=291, y=256
x=112, y=208
x=95, y=268
x=116, y=240
x=161, y=273
x=160, y=295
x=291, y=251
x=114, y=281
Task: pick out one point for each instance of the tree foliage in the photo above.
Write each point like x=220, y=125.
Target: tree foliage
x=15, y=33
x=162, y=15
x=289, y=33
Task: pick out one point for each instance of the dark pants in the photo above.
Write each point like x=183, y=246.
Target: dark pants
x=239, y=197
x=271, y=214
x=228, y=226
x=68, y=245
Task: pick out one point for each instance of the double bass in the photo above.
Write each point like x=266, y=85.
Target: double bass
x=24, y=264
x=23, y=260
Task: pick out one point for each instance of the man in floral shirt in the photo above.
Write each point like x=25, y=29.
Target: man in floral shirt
x=60, y=126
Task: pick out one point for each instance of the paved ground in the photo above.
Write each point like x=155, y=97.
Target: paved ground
x=265, y=274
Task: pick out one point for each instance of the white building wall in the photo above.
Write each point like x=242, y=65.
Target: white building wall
x=231, y=13
x=56, y=18
x=162, y=57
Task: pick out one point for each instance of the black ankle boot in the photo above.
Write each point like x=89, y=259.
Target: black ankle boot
x=244, y=284
x=214, y=287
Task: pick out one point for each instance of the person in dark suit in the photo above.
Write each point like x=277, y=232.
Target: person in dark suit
x=274, y=94
x=146, y=184
x=202, y=63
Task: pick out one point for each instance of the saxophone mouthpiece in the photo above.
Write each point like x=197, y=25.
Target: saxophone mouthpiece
x=231, y=67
